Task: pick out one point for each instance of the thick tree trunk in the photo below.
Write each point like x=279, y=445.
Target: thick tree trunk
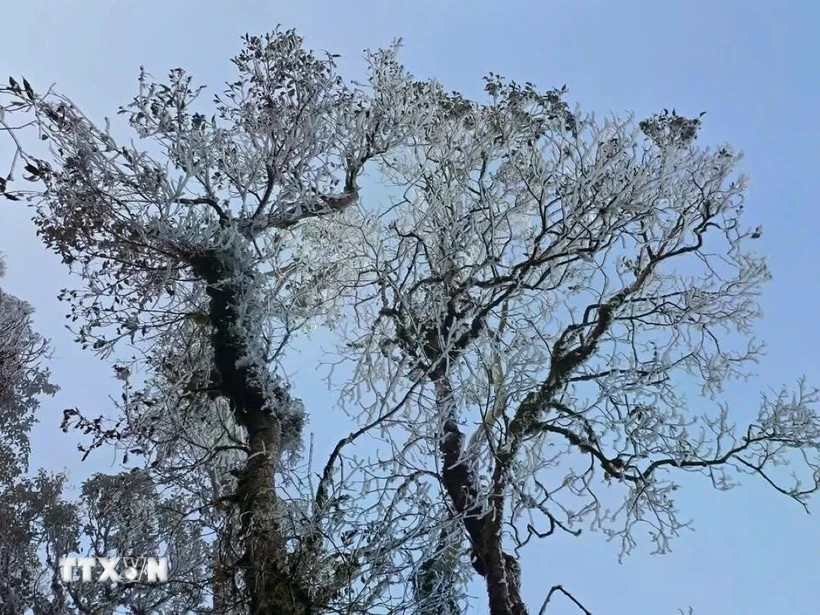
x=481, y=518
x=244, y=380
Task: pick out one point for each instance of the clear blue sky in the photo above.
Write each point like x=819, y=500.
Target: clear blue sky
x=753, y=66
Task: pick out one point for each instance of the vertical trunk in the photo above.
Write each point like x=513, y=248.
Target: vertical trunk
x=258, y=406
x=270, y=588
x=481, y=518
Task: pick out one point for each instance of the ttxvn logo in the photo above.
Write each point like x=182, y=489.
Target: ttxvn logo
x=116, y=569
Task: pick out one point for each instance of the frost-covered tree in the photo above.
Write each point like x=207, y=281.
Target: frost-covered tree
x=573, y=293
x=119, y=514
x=23, y=378
x=25, y=503
x=538, y=322
x=199, y=252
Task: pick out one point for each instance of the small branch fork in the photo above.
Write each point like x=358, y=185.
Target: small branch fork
x=560, y=589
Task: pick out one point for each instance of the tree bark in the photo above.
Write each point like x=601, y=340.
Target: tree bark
x=481, y=519
x=242, y=380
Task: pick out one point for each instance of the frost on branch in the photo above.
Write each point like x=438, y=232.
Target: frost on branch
x=540, y=324
x=121, y=515
x=23, y=377
x=554, y=281
x=202, y=251
x=34, y=515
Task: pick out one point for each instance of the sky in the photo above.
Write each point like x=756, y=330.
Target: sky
x=748, y=64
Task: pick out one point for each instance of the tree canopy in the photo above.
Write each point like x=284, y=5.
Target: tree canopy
x=534, y=312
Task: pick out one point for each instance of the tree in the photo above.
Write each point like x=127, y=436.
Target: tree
x=518, y=321
x=25, y=503
x=39, y=525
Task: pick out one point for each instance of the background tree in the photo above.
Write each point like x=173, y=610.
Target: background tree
x=116, y=514
x=26, y=504
x=519, y=321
